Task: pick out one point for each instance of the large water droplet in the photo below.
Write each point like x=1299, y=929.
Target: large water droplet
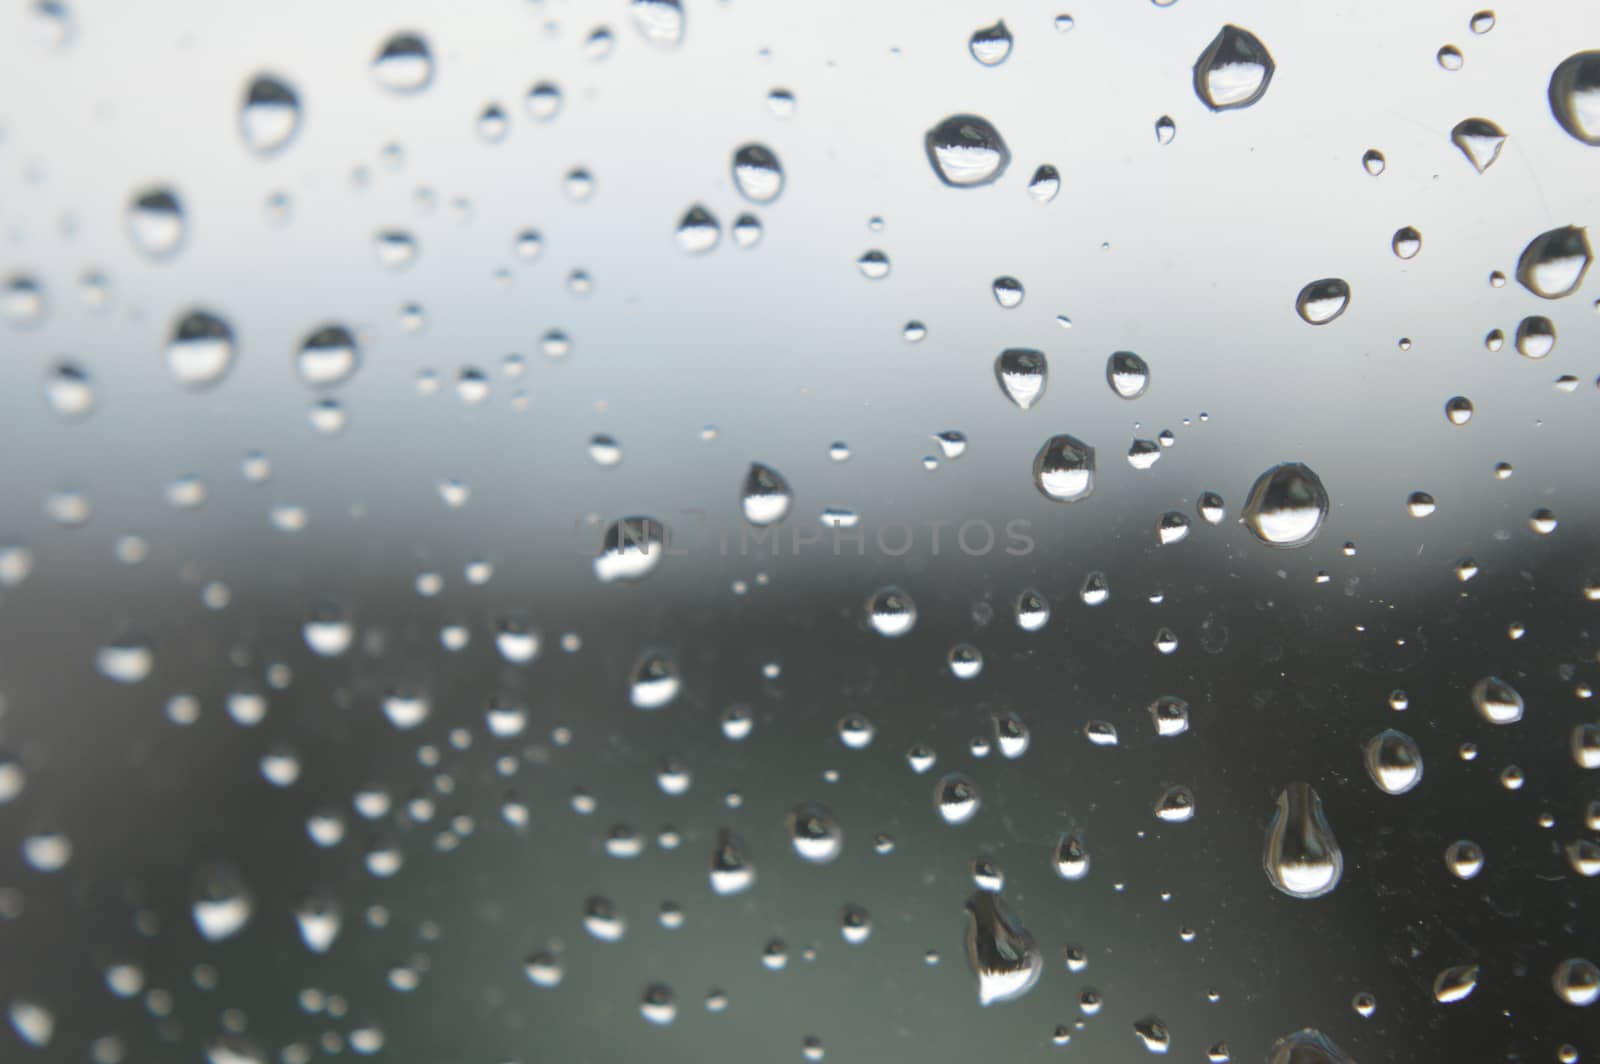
x=765, y=497
x=1554, y=262
x=1302, y=858
x=891, y=612
x=1233, y=71
x=156, y=222
x=1321, y=301
x=200, y=351
x=991, y=45
x=966, y=151
x=1575, y=96
x=1576, y=981
x=757, y=173
x=1480, y=140
x=1286, y=506
x=1393, y=761
x=1128, y=374
x=270, y=114
x=404, y=64
x=815, y=832
x=1497, y=701
x=1022, y=373
x=1063, y=470
x=1003, y=955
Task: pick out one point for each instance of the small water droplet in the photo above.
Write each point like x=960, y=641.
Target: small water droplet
x=328, y=356
x=1322, y=301
x=1302, y=858
x=1394, y=762
x=156, y=222
x=1032, y=610
x=1045, y=183
x=655, y=682
x=1406, y=242
x=269, y=115
x=1373, y=162
x=1128, y=374
x=891, y=612
x=765, y=497
x=1072, y=855
x=1458, y=409
x=222, y=904
x=1449, y=57
x=1022, y=374
x=1008, y=292
x=1464, y=858
x=631, y=549
x=1166, y=129
x=1063, y=470
x=874, y=265
x=1455, y=984
x=403, y=64
x=661, y=22
x=757, y=174
x=815, y=832
x=1176, y=805
x=957, y=798
x=698, y=230
x=991, y=45
x=732, y=870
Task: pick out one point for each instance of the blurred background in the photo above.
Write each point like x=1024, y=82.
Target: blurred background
x=337, y=336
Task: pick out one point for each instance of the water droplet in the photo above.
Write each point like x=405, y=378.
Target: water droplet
x=603, y=920
x=757, y=173
x=270, y=114
x=1364, y=1004
x=1003, y=955
x=1302, y=858
x=1585, y=745
x=1458, y=410
x=891, y=612
x=222, y=904
x=34, y=1023
x=1063, y=470
x=200, y=350
x=1393, y=761
x=127, y=660
x=1482, y=22
x=1307, y=1046
x=1032, y=610
x=631, y=550
x=328, y=356
x=1554, y=262
x=1420, y=504
x=1072, y=855
x=747, y=230
x=732, y=871
x=1153, y=1034
x=698, y=230
x=1011, y=735
x=815, y=832
x=1022, y=374
x=1166, y=129
x=68, y=391
x=1176, y=805
x=1100, y=733
x=956, y=797
x=1233, y=71
x=1464, y=858
x=1128, y=374
x=965, y=660
x=659, y=21
x=1542, y=521
x=403, y=64
x=1575, y=96
x=1045, y=183
x=22, y=302
x=319, y=919
x=1497, y=701
x=1480, y=140
x=966, y=151
x=874, y=265
x=1286, y=506
x=1455, y=984
x=781, y=103
x=991, y=45
x=655, y=682
x=156, y=222
x=1576, y=981
x=1211, y=508
x=1449, y=57
x=1321, y=301
x=658, y=1005
x=1406, y=242
x=765, y=498
x=1170, y=715
x=396, y=249
x=1008, y=292
x=1373, y=162
x=1095, y=590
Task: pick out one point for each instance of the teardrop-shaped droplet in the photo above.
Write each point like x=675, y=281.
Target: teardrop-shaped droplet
x=1307, y=1046
x=328, y=356
x=815, y=832
x=1003, y=955
x=698, y=230
x=1233, y=71
x=632, y=548
x=319, y=918
x=966, y=151
x=1166, y=129
x=1455, y=984
x=1575, y=96
x=1072, y=856
x=1063, y=470
x=404, y=64
x=757, y=173
x=1554, y=262
x=1394, y=761
x=1302, y=857
x=1045, y=183
x=1033, y=610
x=765, y=497
x=891, y=612
x=1321, y=301
x=156, y=222
x=1497, y=701
x=1286, y=506
x=659, y=21
x=732, y=870
x=991, y=45
x=1128, y=374
x=1022, y=373
x=200, y=350
x=1095, y=590
x=1480, y=140
x=270, y=114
